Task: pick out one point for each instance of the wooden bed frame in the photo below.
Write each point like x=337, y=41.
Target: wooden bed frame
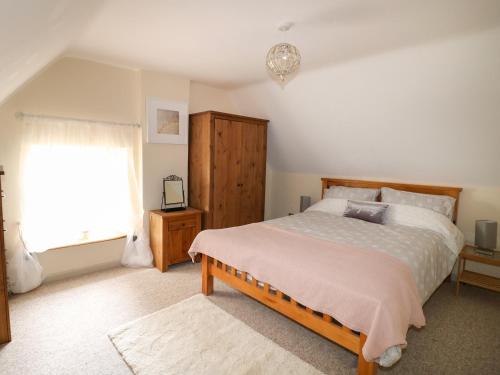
x=318, y=322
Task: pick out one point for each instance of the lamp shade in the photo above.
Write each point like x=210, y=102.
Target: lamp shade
x=486, y=234
x=305, y=202
x=282, y=60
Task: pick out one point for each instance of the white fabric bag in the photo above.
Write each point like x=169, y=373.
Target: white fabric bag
x=23, y=271
x=137, y=252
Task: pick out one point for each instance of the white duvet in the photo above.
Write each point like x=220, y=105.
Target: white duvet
x=411, y=216
x=426, y=241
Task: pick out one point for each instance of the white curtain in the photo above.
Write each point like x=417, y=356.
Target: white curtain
x=79, y=182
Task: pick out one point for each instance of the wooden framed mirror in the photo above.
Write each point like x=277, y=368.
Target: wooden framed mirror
x=173, y=198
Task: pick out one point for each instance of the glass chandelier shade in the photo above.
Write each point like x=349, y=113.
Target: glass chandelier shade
x=282, y=60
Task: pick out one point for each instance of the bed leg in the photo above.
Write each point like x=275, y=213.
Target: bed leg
x=365, y=367
x=207, y=280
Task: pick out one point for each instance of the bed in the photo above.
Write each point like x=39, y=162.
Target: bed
x=283, y=264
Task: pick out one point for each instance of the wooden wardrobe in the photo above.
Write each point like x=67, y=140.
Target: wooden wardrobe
x=227, y=168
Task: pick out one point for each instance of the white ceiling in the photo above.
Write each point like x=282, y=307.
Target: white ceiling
x=224, y=42
x=220, y=42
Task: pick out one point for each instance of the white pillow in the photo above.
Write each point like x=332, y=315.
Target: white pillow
x=356, y=194
x=330, y=205
x=442, y=204
x=400, y=214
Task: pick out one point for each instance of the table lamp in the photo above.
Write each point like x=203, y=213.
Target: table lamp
x=486, y=236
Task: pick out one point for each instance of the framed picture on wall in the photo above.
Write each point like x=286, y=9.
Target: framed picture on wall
x=167, y=121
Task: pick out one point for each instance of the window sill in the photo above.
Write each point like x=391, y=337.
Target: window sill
x=89, y=242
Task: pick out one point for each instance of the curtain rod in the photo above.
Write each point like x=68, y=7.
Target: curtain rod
x=22, y=114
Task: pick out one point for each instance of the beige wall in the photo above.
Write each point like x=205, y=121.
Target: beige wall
x=161, y=160
x=84, y=89
x=205, y=98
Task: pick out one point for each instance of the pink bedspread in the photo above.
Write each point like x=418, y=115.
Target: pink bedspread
x=366, y=290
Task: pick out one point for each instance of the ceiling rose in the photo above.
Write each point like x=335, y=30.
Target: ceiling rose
x=283, y=59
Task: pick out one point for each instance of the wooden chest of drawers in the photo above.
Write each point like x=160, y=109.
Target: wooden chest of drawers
x=4, y=303
x=171, y=235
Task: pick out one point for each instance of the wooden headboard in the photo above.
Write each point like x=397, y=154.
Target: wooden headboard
x=424, y=189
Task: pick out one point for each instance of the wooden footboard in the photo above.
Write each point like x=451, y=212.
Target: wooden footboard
x=320, y=323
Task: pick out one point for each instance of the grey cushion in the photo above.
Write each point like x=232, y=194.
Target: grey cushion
x=438, y=203
x=359, y=194
x=371, y=212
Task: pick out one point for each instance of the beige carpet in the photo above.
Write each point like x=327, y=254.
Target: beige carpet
x=61, y=327
x=195, y=337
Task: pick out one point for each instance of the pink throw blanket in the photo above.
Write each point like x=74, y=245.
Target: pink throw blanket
x=366, y=290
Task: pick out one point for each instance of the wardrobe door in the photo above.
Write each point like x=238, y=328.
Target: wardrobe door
x=252, y=179
x=228, y=138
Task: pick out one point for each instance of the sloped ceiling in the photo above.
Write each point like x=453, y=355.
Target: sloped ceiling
x=33, y=33
x=425, y=114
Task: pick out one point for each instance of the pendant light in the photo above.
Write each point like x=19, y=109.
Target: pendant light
x=283, y=59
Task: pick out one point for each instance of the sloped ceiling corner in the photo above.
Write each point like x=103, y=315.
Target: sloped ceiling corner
x=33, y=33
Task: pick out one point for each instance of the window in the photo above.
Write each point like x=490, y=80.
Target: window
x=78, y=182
x=75, y=193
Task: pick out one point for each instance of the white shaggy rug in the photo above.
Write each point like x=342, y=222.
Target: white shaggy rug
x=197, y=337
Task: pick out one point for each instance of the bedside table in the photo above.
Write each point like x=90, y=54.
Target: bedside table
x=171, y=235
x=474, y=278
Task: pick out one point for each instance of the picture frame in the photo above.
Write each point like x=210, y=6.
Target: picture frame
x=167, y=121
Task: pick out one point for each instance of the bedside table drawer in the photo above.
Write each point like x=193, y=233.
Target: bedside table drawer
x=181, y=224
